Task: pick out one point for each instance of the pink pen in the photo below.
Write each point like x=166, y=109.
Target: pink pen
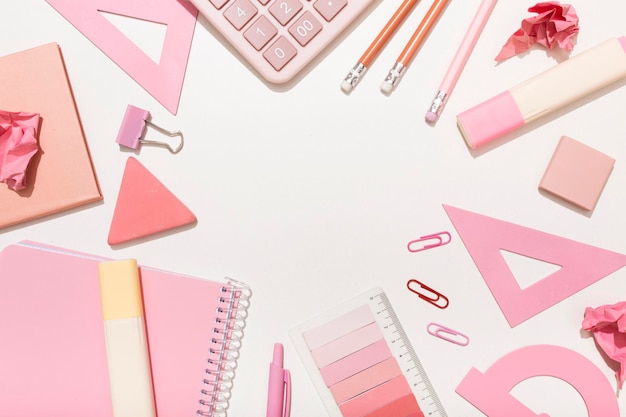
x=279, y=386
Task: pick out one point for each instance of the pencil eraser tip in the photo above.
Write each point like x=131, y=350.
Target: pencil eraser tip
x=385, y=87
x=431, y=117
x=346, y=86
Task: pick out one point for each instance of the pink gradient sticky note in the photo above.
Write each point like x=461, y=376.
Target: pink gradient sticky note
x=340, y=326
x=577, y=173
x=376, y=397
x=352, y=364
x=347, y=345
x=405, y=406
x=365, y=380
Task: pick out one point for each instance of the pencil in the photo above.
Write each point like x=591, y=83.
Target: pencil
x=413, y=45
x=460, y=59
x=376, y=46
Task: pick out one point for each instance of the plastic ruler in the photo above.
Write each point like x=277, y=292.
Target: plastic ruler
x=405, y=355
x=396, y=339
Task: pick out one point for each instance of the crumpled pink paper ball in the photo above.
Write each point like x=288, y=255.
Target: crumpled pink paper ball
x=608, y=325
x=555, y=25
x=18, y=144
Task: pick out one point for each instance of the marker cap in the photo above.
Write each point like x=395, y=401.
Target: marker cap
x=489, y=120
x=120, y=289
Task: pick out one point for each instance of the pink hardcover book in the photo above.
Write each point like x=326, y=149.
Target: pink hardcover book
x=53, y=355
x=61, y=175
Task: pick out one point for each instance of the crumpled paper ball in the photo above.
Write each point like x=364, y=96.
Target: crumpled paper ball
x=555, y=25
x=18, y=144
x=608, y=325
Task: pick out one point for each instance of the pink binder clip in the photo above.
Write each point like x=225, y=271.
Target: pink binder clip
x=428, y=294
x=440, y=239
x=133, y=129
x=447, y=334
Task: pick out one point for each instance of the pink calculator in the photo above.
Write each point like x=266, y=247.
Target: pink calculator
x=280, y=37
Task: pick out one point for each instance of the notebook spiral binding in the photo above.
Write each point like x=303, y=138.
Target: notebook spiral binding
x=224, y=348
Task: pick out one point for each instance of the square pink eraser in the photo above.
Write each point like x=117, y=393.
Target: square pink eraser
x=577, y=173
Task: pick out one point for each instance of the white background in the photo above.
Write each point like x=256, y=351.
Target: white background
x=310, y=195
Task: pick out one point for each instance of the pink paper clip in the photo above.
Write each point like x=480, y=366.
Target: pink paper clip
x=133, y=130
x=441, y=238
x=429, y=294
x=447, y=334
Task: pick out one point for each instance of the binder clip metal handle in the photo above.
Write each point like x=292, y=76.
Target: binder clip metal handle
x=133, y=130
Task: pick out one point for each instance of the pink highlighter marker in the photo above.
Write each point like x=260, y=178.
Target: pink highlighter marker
x=563, y=84
x=279, y=386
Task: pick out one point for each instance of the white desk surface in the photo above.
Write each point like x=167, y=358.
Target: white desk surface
x=310, y=195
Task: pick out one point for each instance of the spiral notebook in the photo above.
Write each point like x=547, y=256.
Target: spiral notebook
x=53, y=355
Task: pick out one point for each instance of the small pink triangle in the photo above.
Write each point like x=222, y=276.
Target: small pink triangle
x=581, y=264
x=145, y=207
x=164, y=80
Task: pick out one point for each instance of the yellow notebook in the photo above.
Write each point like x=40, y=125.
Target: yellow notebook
x=61, y=175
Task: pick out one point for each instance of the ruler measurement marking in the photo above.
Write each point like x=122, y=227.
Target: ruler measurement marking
x=404, y=351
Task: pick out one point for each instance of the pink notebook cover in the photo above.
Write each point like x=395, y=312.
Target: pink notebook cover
x=52, y=355
x=61, y=175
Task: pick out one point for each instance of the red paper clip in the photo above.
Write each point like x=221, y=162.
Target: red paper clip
x=429, y=295
x=437, y=237
x=447, y=334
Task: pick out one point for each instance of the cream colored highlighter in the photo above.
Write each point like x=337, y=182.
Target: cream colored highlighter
x=128, y=360
x=577, y=173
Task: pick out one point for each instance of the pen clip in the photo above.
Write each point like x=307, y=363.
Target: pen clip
x=287, y=405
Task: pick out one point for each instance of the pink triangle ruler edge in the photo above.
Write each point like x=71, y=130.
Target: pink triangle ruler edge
x=162, y=80
x=581, y=264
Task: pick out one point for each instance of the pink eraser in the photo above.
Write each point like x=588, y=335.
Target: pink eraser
x=577, y=173
x=141, y=189
x=489, y=120
x=133, y=127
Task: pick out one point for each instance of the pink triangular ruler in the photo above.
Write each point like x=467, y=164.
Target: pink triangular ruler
x=144, y=206
x=163, y=80
x=581, y=264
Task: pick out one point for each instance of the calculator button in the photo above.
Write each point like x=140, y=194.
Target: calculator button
x=260, y=33
x=329, y=8
x=264, y=2
x=305, y=28
x=240, y=13
x=280, y=53
x=285, y=10
x=218, y=4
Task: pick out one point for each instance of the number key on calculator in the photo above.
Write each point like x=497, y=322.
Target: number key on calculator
x=280, y=37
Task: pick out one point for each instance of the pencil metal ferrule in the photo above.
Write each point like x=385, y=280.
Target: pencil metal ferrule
x=394, y=74
x=438, y=102
x=354, y=76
